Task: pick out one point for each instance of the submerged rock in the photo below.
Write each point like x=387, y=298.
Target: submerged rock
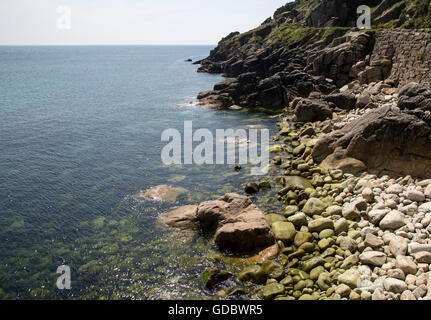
x=182, y=218
x=161, y=193
x=212, y=277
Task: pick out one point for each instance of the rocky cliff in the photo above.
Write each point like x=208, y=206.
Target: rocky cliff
x=311, y=61
x=312, y=45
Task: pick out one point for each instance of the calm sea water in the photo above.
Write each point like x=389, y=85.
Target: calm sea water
x=80, y=135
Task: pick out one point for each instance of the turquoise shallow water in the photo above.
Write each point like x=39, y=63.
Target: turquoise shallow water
x=80, y=135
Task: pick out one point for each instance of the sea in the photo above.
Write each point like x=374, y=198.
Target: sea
x=80, y=137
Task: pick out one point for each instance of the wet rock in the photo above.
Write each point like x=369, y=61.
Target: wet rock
x=273, y=269
x=350, y=261
x=253, y=273
x=290, y=210
x=212, y=277
x=263, y=256
x=296, y=182
x=274, y=218
x=184, y=218
x=238, y=224
x=315, y=273
x=324, y=281
x=252, y=188
x=343, y=290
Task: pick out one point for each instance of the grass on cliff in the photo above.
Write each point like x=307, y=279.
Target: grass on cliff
x=291, y=33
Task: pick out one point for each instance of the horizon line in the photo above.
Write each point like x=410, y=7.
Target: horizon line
x=101, y=45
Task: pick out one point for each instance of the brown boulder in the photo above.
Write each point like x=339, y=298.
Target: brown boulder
x=385, y=140
x=184, y=218
x=238, y=224
x=310, y=110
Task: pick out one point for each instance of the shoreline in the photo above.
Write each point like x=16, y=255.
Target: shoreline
x=356, y=236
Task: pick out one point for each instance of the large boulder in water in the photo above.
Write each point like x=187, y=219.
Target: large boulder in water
x=386, y=140
x=237, y=224
x=184, y=218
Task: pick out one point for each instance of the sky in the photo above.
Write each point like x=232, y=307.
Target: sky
x=133, y=22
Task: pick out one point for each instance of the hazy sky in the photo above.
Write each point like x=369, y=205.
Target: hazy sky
x=45, y=22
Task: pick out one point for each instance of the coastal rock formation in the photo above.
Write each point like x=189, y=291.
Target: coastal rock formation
x=357, y=135
x=308, y=110
x=237, y=224
x=313, y=46
x=385, y=140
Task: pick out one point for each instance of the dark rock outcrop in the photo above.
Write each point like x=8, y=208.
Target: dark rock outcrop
x=344, y=100
x=311, y=110
x=414, y=96
x=237, y=224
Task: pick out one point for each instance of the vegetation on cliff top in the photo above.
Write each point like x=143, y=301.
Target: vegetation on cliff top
x=297, y=20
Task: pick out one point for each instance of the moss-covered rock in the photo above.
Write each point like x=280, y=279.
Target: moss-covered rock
x=254, y=273
x=212, y=277
x=272, y=290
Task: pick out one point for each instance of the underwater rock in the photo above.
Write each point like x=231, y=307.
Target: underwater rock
x=162, y=193
x=212, y=277
x=184, y=218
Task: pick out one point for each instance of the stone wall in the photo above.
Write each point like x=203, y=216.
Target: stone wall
x=409, y=51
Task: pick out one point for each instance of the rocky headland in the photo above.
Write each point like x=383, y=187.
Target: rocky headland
x=352, y=156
